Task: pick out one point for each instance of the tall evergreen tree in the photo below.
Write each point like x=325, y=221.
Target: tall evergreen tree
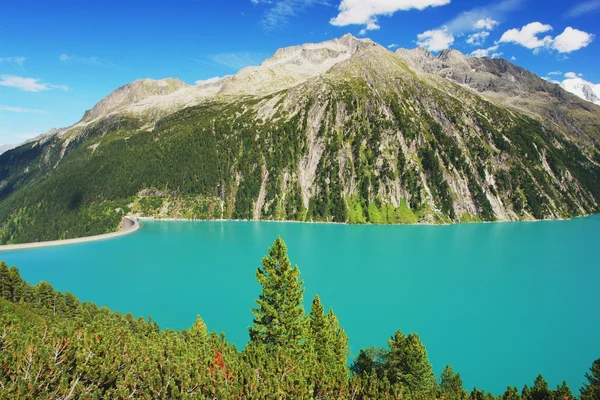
x=407, y=363
x=591, y=389
x=540, y=390
x=563, y=392
x=329, y=345
x=339, y=344
x=278, y=317
x=5, y=282
x=451, y=386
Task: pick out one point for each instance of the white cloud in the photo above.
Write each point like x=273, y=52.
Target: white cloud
x=238, y=60
x=570, y=75
x=571, y=40
x=527, y=36
x=554, y=73
x=435, y=40
x=487, y=23
x=21, y=109
x=467, y=21
x=392, y=46
x=513, y=58
x=365, y=12
x=584, y=8
x=477, y=39
x=489, y=52
x=28, y=84
x=279, y=12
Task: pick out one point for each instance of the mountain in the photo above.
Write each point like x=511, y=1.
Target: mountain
x=583, y=89
x=342, y=131
x=5, y=147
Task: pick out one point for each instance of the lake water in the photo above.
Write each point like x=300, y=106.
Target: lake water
x=499, y=302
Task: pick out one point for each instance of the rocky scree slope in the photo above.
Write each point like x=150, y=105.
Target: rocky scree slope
x=342, y=131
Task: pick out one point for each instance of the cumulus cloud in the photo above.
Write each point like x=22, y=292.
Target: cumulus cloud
x=491, y=52
x=28, y=84
x=513, y=58
x=279, y=12
x=238, y=60
x=366, y=12
x=435, y=40
x=21, y=109
x=487, y=23
x=570, y=75
x=529, y=36
x=571, y=40
x=584, y=8
x=477, y=39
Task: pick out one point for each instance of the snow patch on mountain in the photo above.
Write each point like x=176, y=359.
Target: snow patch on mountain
x=583, y=89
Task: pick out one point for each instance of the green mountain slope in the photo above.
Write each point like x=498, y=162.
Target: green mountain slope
x=371, y=136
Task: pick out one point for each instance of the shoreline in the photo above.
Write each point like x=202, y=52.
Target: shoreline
x=134, y=224
x=128, y=225
x=346, y=223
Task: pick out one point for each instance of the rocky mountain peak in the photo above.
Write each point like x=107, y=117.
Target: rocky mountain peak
x=452, y=56
x=290, y=66
x=318, y=53
x=132, y=93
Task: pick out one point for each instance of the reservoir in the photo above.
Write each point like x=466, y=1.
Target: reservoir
x=499, y=302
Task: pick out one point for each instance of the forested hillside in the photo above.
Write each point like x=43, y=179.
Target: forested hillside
x=52, y=346
x=369, y=136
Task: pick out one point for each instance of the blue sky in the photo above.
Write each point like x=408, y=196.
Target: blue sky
x=58, y=58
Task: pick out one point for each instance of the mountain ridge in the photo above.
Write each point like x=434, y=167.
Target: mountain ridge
x=342, y=131
x=159, y=98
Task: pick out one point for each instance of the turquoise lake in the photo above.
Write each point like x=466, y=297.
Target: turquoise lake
x=499, y=302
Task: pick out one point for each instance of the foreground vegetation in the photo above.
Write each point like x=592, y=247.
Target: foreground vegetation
x=52, y=346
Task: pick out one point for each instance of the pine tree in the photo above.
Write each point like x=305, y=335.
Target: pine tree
x=540, y=390
x=563, y=392
x=370, y=360
x=319, y=331
x=407, y=363
x=511, y=393
x=339, y=344
x=329, y=345
x=278, y=317
x=198, y=335
x=591, y=389
x=451, y=385
x=5, y=283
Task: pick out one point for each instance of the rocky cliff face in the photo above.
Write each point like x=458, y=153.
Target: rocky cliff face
x=130, y=94
x=342, y=131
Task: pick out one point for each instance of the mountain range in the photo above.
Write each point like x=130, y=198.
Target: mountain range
x=340, y=131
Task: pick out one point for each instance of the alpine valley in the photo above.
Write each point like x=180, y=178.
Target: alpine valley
x=340, y=131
